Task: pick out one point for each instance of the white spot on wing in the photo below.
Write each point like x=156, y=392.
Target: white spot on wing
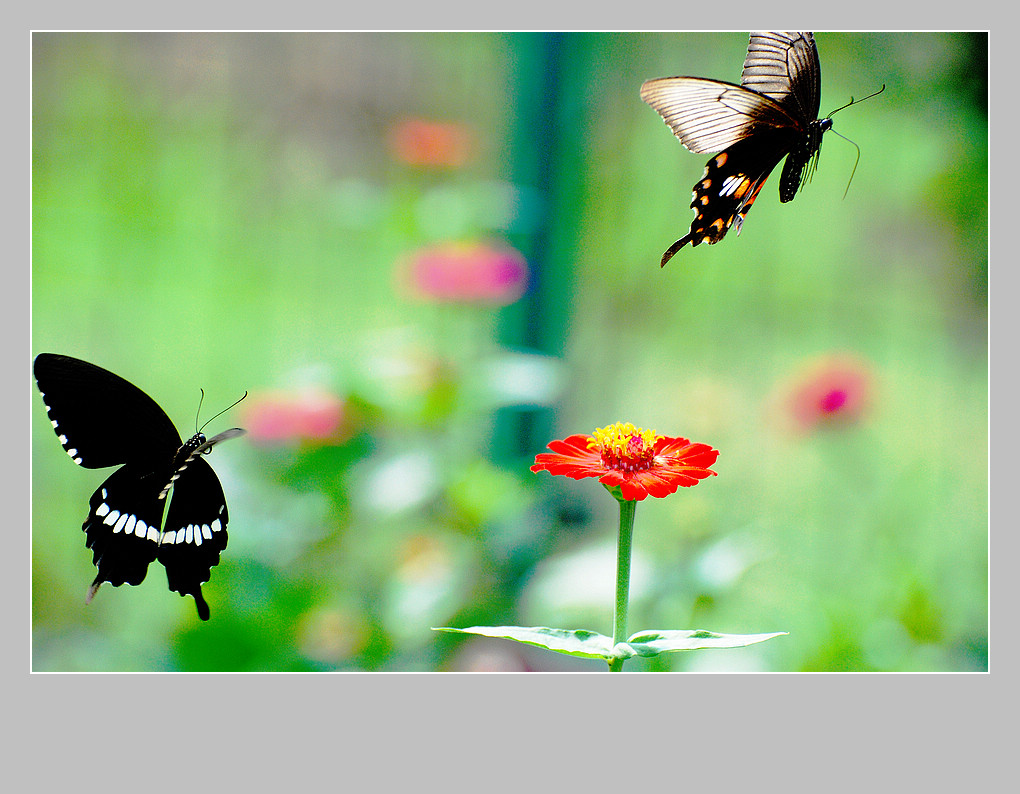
x=104, y=508
x=129, y=527
x=730, y=185
x=120, y=523
x=216, y=526
x=187, y=535
x=112, y=518
x=206, y=532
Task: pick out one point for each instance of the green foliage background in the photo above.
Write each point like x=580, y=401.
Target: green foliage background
x=223, y=211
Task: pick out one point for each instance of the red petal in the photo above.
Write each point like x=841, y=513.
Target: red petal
x=667, y=445
x=612, y=477
x=632, y=491
x=701, y=455
x=575, y=446
x=570, y=458
x=657, y=484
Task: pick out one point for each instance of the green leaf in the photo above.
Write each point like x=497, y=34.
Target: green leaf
x=588, y=644
x=652, y=642
x=592, y=645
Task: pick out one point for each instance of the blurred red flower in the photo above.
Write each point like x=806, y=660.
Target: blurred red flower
x=466, y=273
x=431, y=143
x=275, y=417
x=833, y=390
x=640, y=462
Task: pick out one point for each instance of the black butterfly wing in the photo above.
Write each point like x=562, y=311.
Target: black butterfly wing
x=101, y=419
x=728, y=188
x=123, y=525
x=195, y=531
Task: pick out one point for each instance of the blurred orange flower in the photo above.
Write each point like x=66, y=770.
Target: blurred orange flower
x=638, y=461
x=431, y=143
x=466, y=273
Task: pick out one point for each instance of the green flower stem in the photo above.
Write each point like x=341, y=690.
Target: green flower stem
x=623, y=545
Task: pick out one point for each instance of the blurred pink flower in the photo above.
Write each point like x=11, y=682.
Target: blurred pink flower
x=829, y=391
x=431, y=143
x=466, y=273
x=275, y=417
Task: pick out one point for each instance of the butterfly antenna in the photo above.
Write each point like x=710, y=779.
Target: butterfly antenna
x=855, y=101
x=858, y=148
x=201, y=399
x=220, y=413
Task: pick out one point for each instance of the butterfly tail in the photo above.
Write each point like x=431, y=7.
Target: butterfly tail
x=96, y=584
x=203, y=608
x=195, y=532
x=673, y=249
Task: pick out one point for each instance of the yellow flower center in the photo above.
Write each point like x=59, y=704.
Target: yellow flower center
x=624, y=447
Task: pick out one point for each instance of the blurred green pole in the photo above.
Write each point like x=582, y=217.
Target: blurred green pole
x=544, y=155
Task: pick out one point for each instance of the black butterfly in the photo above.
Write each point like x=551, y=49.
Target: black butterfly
x=772, y=113
x=102, y=420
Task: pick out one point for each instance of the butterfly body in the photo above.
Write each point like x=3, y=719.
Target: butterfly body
x=102, y=420
x=772, y=114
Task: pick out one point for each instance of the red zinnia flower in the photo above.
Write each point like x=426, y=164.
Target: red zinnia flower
x=640, y=462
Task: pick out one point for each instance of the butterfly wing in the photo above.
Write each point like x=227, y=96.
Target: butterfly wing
x=784, y=66
x=751, y=131
x=103, y=420
x=710, y=115
x=122, y=527
x=100, y=419
x=195, y=531
x=728, y=189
